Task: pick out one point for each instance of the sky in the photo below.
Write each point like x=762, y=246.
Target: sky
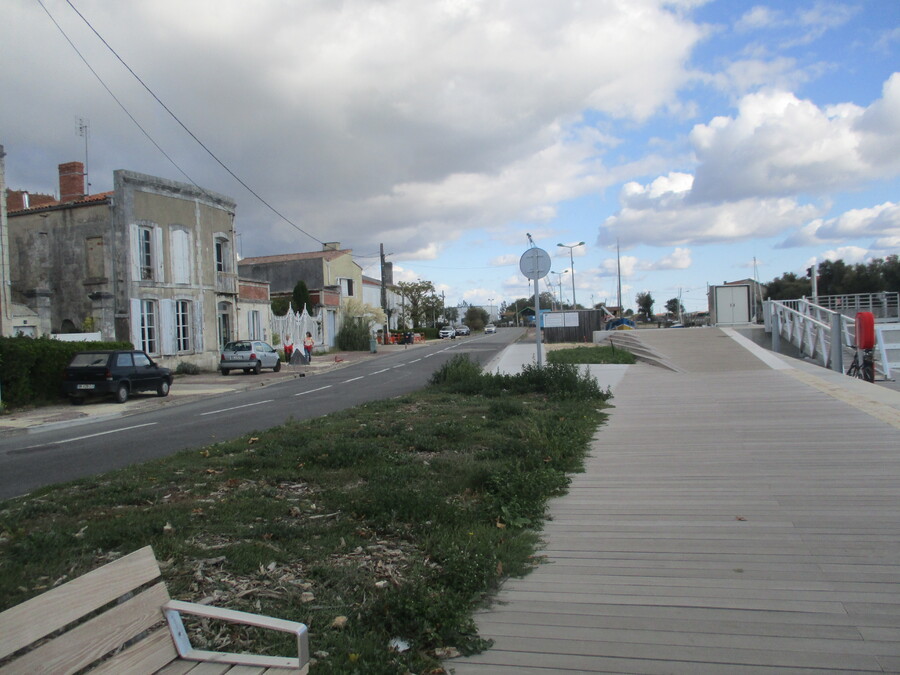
x=713, y=140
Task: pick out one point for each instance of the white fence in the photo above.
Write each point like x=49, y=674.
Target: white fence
x=293, y=327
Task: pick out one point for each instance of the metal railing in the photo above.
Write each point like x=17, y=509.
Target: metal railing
x=820, y=333
x=885, y=306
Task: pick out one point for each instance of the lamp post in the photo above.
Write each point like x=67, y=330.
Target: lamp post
x=572, y=267
x=559, y=276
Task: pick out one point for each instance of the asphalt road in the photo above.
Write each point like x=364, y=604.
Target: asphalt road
x=57, y=455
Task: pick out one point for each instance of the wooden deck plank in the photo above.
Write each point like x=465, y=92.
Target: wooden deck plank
x=730, y=518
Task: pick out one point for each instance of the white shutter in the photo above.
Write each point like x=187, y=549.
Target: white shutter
x=197, y=317
x=136, y=323
x=167, y=327
x=135, y=253
x=158, y=252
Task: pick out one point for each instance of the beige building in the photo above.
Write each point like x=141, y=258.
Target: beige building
x=331, y=276
x=151, y=262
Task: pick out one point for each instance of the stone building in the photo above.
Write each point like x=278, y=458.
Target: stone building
x=151, y=262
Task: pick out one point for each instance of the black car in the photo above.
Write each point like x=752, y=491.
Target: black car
x=118, y=372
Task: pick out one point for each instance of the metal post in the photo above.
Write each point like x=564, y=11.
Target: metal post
x=837, y=343
x=776, y=331
x=537, y=323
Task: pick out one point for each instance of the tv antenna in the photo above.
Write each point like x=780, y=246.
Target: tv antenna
x=84, y=130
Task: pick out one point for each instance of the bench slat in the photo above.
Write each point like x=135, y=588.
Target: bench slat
x=147, y=656
x=28, y=622
x=102, y=635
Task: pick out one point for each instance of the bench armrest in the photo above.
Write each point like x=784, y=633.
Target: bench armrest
x=173, y=610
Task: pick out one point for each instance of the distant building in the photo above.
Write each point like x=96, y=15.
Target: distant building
x=331, y=276
x=151, y=262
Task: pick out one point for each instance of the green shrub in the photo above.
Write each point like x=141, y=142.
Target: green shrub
x=187, y=368
x=353, y=335
x=458, y=371
x=605, y=354
x=33, y=367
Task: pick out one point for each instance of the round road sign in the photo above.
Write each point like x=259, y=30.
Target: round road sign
x=535, y=263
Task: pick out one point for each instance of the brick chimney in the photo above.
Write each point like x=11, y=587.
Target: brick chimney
x=71, y=181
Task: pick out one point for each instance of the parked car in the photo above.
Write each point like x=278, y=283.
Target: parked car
x=462, y=330
x=490, y=328
x=447, y=332
x=114, y=371
x=251, y=356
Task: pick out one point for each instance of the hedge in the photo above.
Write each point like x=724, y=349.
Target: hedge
x=32, y=369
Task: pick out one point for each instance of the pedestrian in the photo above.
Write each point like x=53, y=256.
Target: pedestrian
x=308, y=344
x=288, y=348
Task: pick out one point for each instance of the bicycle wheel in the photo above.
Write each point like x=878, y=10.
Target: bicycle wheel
x=853, y=370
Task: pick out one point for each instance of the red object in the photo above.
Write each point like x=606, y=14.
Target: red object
x=865, y=330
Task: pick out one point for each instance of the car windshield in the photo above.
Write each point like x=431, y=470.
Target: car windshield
x=88, y=360
x=238, y=347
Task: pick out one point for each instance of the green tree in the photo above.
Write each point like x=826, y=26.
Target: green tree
x=674, y=307
x=452, y=314
x=415, y=293
x=280, y=306
x=476, y=318
x=788, y=287
x=301, y=297
x=644, y=302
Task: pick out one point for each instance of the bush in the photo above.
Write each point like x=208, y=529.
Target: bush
x=353, y=335
x=187, y=368
x=33, y=368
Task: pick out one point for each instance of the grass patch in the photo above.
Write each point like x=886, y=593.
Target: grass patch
x=401, y=515
x=604, y=354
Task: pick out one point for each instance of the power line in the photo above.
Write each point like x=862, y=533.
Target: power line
x=189, y=132
x=115, y=98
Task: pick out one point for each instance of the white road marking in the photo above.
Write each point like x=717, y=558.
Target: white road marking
x=353, y=379
x=103, y=433
x=383, y=370
x=415, y=360
x=304, y=393
x=237, y=407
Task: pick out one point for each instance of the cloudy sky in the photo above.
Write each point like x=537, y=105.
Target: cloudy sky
x=703, y=136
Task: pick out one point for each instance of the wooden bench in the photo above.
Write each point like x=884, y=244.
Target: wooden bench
x=139, y=629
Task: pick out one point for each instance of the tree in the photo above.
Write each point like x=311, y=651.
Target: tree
x=301, y=298
x=280, y=306
x=476, y=318
x=432, y=308
x=452, y=314
x=644, y=303
x=415, y=293
x=674, y=307
x=788, y=287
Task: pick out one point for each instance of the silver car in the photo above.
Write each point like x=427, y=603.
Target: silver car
x=251, y=356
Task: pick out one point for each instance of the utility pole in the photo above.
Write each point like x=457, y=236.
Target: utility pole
x=383, y=287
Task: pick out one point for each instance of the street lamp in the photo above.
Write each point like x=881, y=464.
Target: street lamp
x=572, y=266
x=559, y=276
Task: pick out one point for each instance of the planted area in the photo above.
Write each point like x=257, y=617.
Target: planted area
x=382, y=528
x=604, y=354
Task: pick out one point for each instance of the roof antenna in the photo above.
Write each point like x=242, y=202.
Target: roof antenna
x=84, y=130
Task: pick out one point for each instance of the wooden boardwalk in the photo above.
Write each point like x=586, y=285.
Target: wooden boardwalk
x=732, y=518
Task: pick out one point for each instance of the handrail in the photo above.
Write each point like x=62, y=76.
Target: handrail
x=810, y=328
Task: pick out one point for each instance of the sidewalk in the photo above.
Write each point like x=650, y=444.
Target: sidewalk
x=185, y=388
x=736, y=516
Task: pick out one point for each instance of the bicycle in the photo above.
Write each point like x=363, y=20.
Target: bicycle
x=863, y=366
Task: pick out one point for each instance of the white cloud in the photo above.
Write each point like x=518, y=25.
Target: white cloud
x=882, y=220
x=849, y=254
x=752, y=168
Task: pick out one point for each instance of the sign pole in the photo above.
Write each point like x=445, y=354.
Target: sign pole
x=537, y=324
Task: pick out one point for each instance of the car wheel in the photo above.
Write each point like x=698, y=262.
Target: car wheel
x=122, y=393
x=163, y=388
x=257, y=368
x=277, y=366
x=224, y=371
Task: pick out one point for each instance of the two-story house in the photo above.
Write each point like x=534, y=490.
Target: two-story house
x=152, y=262
x=331, y=276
